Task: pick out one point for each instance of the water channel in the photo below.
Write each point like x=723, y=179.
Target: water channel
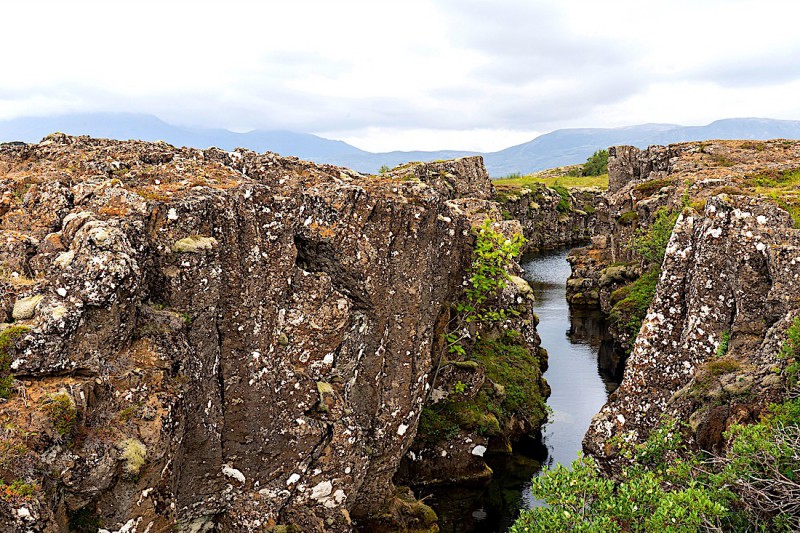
x=583, y=370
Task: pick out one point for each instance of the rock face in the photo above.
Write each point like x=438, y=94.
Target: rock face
x=552, y=218
x=727, y=290
x=220, y=339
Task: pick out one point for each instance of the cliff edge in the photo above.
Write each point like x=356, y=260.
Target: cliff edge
x=201, y=338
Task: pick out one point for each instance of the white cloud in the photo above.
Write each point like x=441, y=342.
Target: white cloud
x=423, y=74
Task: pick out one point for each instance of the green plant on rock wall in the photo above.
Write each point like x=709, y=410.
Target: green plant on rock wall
x=492, y=256
x=7, y=339
x=790, y=351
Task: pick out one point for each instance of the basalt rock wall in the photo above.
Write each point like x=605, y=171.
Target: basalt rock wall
x=208, y=339
x=726, y=292
x=549, y=218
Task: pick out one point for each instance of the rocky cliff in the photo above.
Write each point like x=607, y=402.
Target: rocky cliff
x=551, y=217
x=198, y=339
x=715, y=312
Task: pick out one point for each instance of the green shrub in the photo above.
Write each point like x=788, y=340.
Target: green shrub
x=656, y=492
x=491, y=258
x=651, y=243
x=596, y=164
x=665, y=487
x=628, y=314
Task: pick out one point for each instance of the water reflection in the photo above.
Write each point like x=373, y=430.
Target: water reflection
x=583, y=370
x=589, y=326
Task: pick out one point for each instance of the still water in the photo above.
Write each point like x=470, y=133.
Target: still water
x=583, y=370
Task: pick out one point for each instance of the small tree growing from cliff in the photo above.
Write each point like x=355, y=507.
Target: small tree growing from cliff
x=491, y=258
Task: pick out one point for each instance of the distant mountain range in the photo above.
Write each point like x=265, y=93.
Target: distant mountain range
x=560, y=147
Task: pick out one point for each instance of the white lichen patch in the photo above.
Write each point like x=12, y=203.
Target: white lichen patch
x=234, y=473
x=478, y=450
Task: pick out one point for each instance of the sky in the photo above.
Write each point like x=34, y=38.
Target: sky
x=402, y=75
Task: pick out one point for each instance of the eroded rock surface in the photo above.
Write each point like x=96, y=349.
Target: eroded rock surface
x=727, y=290
x=550, y=218
x=245, y=340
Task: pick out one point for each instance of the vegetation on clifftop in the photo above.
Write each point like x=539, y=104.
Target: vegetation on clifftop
x=515, y=182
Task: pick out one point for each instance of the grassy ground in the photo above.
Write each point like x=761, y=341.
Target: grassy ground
x=546, y=177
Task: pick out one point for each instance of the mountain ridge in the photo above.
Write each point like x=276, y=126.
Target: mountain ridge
x=553, y=149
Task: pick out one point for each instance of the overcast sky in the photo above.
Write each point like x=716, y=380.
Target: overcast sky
x=411, y=74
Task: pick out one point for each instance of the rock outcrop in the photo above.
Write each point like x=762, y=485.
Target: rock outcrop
x=201, y=338
x=552, y=218
x=726, y=292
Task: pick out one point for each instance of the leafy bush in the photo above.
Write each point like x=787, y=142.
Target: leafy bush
x=596, y=164
x=754, y=486
x=654, y=493
x=492, y=255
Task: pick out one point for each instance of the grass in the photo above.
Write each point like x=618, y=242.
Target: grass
x=783, y=187
x=517, y=182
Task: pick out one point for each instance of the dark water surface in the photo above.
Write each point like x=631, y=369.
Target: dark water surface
x=583, y=370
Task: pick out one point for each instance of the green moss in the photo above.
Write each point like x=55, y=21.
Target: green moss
x=628, y=217
x=61, y=410
x=564, y=204
x=509, y=363
x=627, y=315
x=719, y=367
x=515, y=371
x=7, y=339
x=649, y=187
x=134, y=453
